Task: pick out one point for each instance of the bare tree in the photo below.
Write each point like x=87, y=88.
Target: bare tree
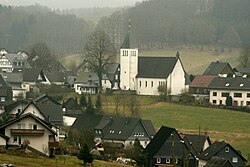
x=98, y=53
x=244, y=58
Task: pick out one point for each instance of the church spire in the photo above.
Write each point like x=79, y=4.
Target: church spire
x=126, y=42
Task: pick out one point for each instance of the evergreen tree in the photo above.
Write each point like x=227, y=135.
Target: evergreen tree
x=89, y=107
x=83, y=101
x=229, y=101
x=98, y=103
x=85, y=155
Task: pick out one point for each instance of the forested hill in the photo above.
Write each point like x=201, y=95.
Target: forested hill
x=22, y=27
x=168, y=23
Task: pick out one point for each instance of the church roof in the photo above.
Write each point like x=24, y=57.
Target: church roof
x=155, y=67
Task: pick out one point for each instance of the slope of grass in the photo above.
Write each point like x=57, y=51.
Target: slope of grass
x=59, y=161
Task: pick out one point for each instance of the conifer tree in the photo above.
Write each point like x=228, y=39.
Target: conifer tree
x=89, y=107
x=85, y=155
x=83, y=101
x=98, y=103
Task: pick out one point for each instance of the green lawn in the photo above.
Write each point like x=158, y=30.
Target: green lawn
x=60, y=161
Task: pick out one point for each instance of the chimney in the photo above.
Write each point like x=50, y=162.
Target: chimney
x=110, y=120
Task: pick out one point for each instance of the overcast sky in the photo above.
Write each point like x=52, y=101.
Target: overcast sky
x=69, y=4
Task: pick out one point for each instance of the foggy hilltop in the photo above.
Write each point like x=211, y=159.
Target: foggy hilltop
x=69, y=4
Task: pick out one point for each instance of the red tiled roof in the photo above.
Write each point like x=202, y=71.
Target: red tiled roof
x=202, y=81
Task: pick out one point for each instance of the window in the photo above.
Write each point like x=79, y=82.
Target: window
x=116, y=76
x=248, y=95
x=158, y=160
x=248, y=103
x=15, y=139
x=220, y=102
x=227, y=149
x=35, y=127
x=235, y=160
x=140, y=83
x=168, y=161
x=237, y=94
x=2, y=98
x=224, y=94
x=152, y=83
x=214, y=93
x=146, y=83
x=214, y=102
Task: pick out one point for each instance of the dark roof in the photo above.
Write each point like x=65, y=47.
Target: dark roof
x=2, y=81
x=44, y=123
x=54, y=112
x=149, y=127
x=202, y=81
x=216, y=147
x=110, y=70
x=121, y=127
x=84, y=77
x=159, y=139
x=129, y=42
x=14, y=104
x=198, y=142
x=71, y=104
x=31, y=75
x=237, y=83
x=13, y=77
x=55, y=76
x=218, y=162
x=86, y=122
x=5, y=137
x=242, y=70
x=155, y=67
x=44, y=98
x=216, y=68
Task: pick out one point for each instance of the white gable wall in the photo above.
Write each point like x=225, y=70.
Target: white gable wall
x=39, y=142
x=33, y=110
x=2, y=141
x=106, y=84
x=177, y=79
x=129, y=68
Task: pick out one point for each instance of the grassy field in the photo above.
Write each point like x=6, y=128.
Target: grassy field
x=194, y=62
x=60, y=161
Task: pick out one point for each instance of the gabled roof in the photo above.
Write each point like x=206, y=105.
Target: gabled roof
x=111, y=69
x=14, y=104
x=13, y=77
x=2, y=81
x=242, y=70
x=218, y=162
x=44, y=98
x=215, y=148
x=71, y=104
x=32, y=74
x=155, y=67
x=216, y=68
x=198, y=142
x=148, y=126
x=55, y=76
x=159, y=139
x=44, y=123
x=202, y=81
x=117, y=127
x=54, y=112
x=230, y=83
x=86, y=122
x=85, y=76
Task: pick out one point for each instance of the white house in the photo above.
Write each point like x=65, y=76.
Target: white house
x=30, y=129
x=236, y=87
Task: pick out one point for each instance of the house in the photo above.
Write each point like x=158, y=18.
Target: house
x=15, y=80
x=55, y=77
x=5, y=91
x=199, y=86
x=32, y=77
x=45, y=99
x=242, y=71
x=87, y=83
x=14, y=108
x=168, y=149
x=120, y=130
x=235, y=87
x=223, y=150
x=71, y=109
x=13, y=62
x=165, y=71
x=124, y=130
x=111, y=78
x=218, y=162
x=219, y=68
x=146, y=74
x=29, y=128
x=197, y=143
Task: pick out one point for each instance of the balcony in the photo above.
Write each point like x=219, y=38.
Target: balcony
x=53, y=144
x=27, y=132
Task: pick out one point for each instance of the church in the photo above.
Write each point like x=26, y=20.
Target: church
x=146, y=74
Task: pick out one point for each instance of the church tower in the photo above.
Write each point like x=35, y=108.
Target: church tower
x=128, y=63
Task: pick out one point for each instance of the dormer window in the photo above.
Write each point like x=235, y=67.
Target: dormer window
x=241, y=85
x=158, y=160
x=227, y=84
x=226, y=149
